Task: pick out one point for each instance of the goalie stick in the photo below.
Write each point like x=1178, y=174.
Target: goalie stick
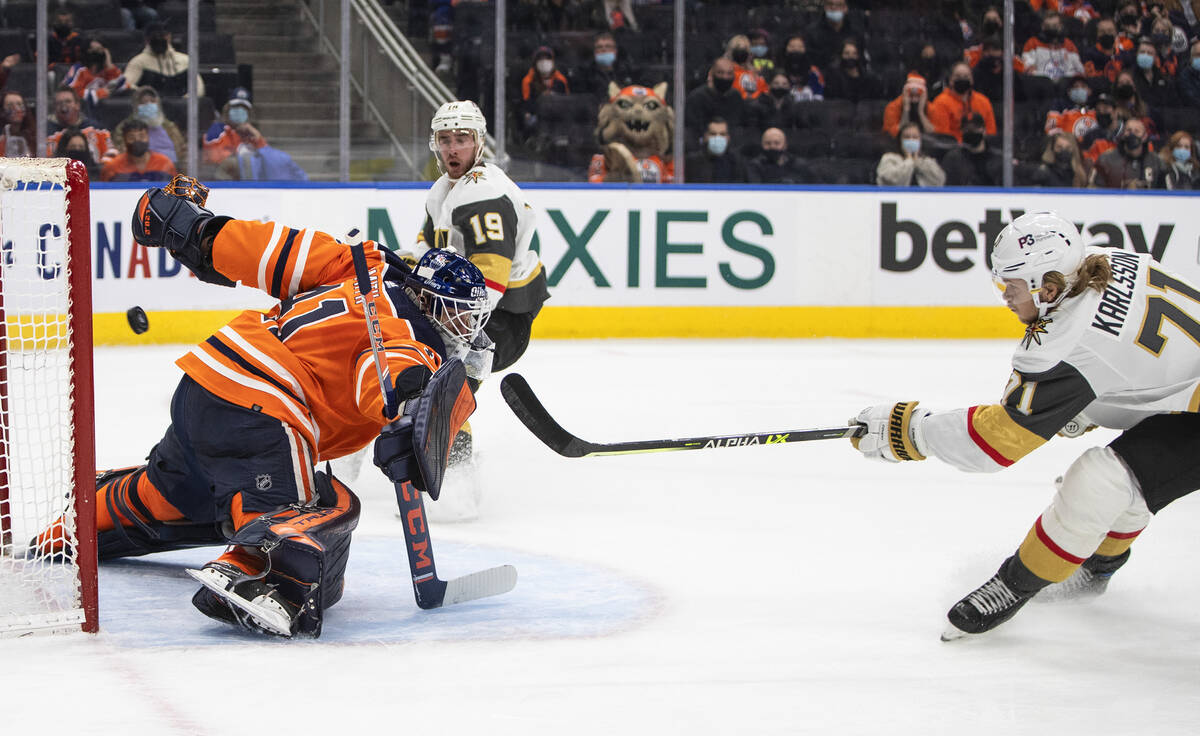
x=529, y=410
x=429, y=590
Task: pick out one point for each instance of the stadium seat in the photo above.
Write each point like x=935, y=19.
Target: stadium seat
x=175, y=110
x=110, y=111
x=215, y=48
x=92, y=15
x=122, y=45
x=173, y=14
x=23, y=78
x=15, y=41
x=1180, y=118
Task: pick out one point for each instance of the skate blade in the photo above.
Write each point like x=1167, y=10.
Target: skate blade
x=271, y=621
x=953, y=633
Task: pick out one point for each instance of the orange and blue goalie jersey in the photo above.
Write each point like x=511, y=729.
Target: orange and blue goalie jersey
x=308, y=361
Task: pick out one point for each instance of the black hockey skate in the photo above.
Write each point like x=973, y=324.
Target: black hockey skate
x=1089, y=581
x=985, y=608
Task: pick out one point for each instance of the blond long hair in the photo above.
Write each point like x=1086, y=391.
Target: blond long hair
x=1094, y=273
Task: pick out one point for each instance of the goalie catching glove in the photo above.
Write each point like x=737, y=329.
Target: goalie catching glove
x=174, y=218
x=891, y=432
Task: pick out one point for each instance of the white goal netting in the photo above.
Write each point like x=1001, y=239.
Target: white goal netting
x=42, y=581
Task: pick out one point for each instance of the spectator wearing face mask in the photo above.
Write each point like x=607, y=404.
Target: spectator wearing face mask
x=912, y=106
x=165, y=136
x=1109, y=125
x=160, y=66
x=716, y=99
x=988, y=68
x=760, y=54
x=1129, y=20
x=1163, y=34
x=1102, y=60
x=1060, y=166
x=1188, y=81
x=908, y=166
x=836, y=24
x=1130, y=103
x=69, y=116
x=96, y=77
x=1073, y=114
x=1181, y=168
x=1050, y=54
x=1131, y=165
x=807, y=81
x=973, y=163
x=958, y=101
x=19, y=134
x=607, y=66
x=777, y=108
x=225, y=136
x=541, y=79
x=1154, y=83
x=137, y=162
x=73, y=144
x=774, y=164
x=64, y=45
x=745, y=80
x=852, y=79
x=716, y=162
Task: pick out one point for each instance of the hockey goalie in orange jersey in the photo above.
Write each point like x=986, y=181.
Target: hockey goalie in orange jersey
x=271, y=394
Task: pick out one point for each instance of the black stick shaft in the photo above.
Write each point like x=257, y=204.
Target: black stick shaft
x=525, y=404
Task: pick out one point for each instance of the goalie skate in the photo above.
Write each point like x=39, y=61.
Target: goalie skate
x=253, y=604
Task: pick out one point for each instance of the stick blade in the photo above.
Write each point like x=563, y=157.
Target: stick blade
x=525, y=404
x=482, y=584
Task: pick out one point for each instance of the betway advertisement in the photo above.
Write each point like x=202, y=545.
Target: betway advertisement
x=664, y=246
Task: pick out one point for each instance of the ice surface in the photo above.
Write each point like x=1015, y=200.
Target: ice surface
x=793, y=589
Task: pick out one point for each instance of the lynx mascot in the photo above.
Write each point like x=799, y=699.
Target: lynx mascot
x=636, y=128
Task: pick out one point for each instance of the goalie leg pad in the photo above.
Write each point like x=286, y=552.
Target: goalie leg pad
x=307, y=548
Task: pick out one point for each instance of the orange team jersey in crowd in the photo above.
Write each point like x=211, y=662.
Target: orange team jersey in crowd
x=122, y=168
x=307, y=361
x=652, y=169
x=98, y=141
x=220, y=144
x=1078, y=122
x=947, y=110
x=748, y=82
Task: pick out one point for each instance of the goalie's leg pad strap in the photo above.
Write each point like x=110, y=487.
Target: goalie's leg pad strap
x=308, y=547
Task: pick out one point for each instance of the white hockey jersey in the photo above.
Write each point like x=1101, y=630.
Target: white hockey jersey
x=484, y=216
x=1114, y=358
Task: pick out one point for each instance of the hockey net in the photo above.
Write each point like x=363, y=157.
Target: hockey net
x=47, y=456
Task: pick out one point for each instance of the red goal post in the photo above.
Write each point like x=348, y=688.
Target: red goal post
x=47, y=418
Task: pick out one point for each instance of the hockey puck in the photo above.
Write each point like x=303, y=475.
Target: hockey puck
x=138, y=321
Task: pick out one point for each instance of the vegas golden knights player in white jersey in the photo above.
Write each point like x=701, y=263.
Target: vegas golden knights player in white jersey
x=1112, y=339
x=476, y=210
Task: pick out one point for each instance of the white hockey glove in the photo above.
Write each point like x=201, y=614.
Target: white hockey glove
x=891, y=432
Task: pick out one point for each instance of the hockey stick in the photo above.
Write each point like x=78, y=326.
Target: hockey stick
x=529, y=410
x=429, y=590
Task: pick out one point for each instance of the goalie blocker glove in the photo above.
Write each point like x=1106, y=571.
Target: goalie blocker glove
x=891, y=432
x=172, y=217
x=416, y=447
